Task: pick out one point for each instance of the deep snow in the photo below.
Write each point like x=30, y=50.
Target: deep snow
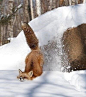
x=48, y=27
x=50, y=84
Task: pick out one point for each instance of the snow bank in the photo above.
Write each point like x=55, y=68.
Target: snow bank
x=77, y=79
x=12, y=55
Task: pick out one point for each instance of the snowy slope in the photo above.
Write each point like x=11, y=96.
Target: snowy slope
x=50, y=84
x=12, y=55
x=48, y=27
x=77, y=79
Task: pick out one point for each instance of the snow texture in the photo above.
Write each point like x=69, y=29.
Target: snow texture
x=48, y=28
x=50, y=84
x=77, y=79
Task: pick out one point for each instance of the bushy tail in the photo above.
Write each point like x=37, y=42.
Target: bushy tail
x=31, y=38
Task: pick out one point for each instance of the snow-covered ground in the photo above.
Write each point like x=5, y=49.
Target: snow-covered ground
x=50, y=84
x=48, y=27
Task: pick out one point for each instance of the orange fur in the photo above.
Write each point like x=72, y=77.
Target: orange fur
x=34, y=60
x=31, y=38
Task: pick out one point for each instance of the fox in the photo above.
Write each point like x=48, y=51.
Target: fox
x=34, y=66
x=34, y=60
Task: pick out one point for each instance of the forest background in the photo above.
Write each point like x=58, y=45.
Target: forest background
x=12, y=12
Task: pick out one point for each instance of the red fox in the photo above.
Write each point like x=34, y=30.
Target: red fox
x=34, y=65
x=34, y=60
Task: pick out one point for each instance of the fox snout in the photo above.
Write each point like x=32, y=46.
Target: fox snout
x=21, y=79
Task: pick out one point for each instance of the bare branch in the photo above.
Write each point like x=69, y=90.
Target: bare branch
x=4, y=19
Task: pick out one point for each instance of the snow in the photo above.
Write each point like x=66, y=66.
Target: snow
x=77, y=79
x=20, y=6
x=48, y=27
x=50, y=84
x=13, y=54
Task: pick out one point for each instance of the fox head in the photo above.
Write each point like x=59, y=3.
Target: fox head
x=25, y=75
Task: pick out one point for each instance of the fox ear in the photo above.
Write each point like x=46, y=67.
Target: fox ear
x=30, y=73
x=20, y=71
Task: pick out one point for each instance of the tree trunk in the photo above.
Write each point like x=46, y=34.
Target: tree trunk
x=76, y=1
x=38, y=5
x=70, y=2
x=10, y=24
x=29, y=10
x=61, y=2
x=66, y=2
x=84, y=1
x=50, y=7
x=26, y=14
x=32, y=11
x=1, y=38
